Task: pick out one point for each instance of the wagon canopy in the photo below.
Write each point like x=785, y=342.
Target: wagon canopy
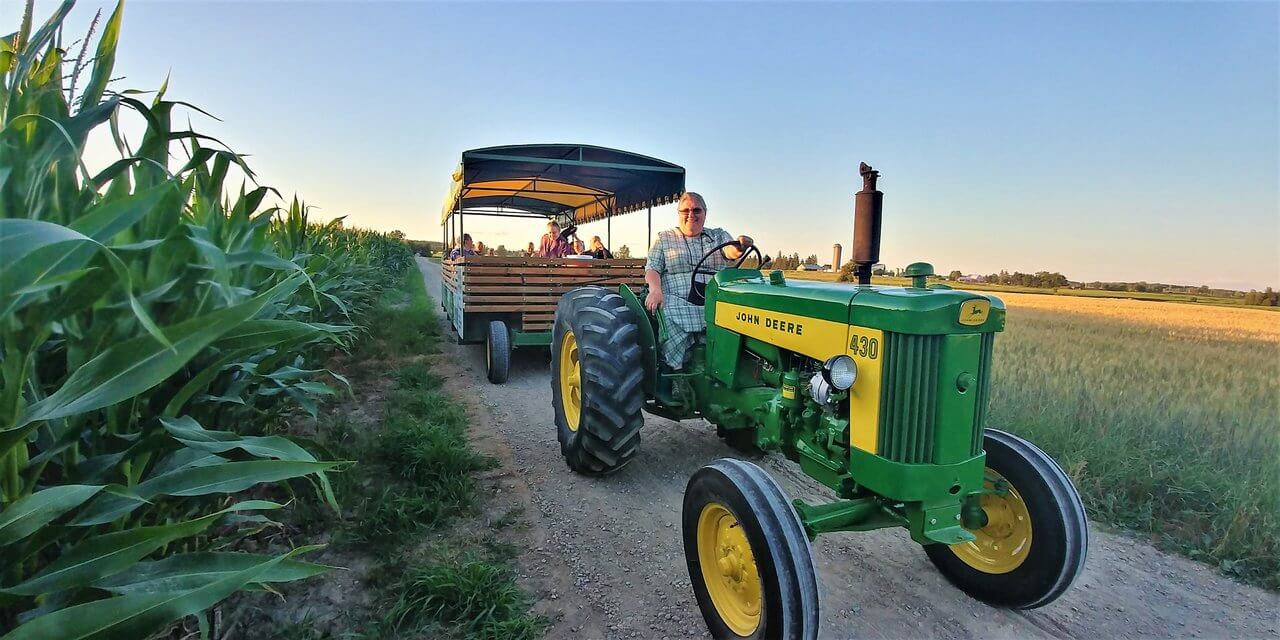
x=574, y=182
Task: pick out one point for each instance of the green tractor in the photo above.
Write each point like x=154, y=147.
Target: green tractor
x=879, y=393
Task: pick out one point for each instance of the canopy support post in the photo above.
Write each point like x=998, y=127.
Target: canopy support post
x=608, y=231
x=650, y=214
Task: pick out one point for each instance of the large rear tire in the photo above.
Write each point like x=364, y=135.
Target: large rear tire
x=1036, y=537
x=497, y=351
x=596, y=380
x=748, y=557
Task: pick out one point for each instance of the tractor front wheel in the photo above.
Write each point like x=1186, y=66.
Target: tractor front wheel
x=1035, y=539
x=596, y=380
x=749, y=559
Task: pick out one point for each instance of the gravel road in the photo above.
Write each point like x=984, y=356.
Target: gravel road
x=604, y=555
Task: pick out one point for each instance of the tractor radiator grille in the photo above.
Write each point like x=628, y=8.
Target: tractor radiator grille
x=984, y=393
x=908, y=407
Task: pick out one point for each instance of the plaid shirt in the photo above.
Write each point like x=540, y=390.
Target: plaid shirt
x=674, y=256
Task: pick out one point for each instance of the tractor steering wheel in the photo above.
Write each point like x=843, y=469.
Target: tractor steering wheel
x=698, y=290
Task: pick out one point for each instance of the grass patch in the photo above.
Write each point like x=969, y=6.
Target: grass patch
x=414, y=480
x=475, y=595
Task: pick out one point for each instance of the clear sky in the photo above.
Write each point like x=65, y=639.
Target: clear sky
x=1125, y=141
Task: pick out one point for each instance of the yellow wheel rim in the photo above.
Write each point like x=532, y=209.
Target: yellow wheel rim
x=729, y=569
x=1004, y=543
x=570, y=380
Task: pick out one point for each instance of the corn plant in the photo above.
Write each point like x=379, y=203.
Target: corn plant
x=154, y=323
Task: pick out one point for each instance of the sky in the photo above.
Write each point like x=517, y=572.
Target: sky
x=1106, y=141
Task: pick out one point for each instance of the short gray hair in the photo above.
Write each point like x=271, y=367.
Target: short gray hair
x=694, y=194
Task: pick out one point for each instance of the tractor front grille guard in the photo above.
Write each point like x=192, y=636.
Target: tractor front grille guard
x=909, y=395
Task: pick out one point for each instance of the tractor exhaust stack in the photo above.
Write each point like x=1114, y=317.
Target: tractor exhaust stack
x=866, y=224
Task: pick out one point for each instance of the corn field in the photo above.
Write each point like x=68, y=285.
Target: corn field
x=159, y=325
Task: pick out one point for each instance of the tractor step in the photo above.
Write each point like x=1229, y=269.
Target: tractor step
x=667, y=411
x=949, y=535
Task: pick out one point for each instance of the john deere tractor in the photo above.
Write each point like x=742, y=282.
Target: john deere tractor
x=880, y=393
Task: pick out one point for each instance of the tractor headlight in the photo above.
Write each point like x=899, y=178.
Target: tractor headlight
x=840, y=372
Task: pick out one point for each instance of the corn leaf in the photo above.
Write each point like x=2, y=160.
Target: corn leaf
x=104, y=555
x=137, y=615
x=189, y=432
x=104, y=62
x=194, y=570
x=27, y=515
x=222, y=477
x=134, y=366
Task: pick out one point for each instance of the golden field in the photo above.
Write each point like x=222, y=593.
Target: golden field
x=1190, y=321
x=1166, y=415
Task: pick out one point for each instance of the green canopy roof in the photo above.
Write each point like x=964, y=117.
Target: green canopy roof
x=570, y=181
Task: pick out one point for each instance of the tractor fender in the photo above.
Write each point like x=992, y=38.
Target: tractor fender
x=648, y=338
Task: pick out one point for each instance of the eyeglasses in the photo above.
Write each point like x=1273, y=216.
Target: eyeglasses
x=695, y=212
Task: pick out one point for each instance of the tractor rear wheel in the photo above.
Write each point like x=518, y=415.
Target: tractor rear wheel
x=1036, y=537
x=749, y=559
x=596, y=380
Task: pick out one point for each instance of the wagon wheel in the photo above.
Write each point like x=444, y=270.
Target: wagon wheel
x=596, y=380
x=748, y=557
x=1035, y=539
x=497, y=352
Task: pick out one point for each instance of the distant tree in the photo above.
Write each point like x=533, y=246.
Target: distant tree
x=812, y=259
x=1268, y=298
x=396, y=235
x=502, y=251
x=846, y=272
x=954, y=275
x=623, y=252
x=875, y=272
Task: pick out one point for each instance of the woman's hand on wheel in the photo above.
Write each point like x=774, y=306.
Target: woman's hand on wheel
x=653, y=300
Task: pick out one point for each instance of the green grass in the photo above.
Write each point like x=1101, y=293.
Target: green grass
x=415, y=482
x=474, y=595
x=1174, y=436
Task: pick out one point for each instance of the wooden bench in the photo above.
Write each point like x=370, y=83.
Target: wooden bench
x=528, y=288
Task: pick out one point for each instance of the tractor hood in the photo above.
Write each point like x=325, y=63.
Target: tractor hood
x=899, y=309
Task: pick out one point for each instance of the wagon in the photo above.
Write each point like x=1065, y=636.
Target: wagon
x=508, y=302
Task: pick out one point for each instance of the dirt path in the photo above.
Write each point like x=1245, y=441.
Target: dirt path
x=607, y=552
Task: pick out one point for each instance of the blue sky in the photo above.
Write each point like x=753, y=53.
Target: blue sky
x=1128, y=141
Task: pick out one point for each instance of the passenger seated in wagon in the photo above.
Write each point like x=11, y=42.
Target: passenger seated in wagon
x=468, y=248
x=552, y=245
x=598, y=250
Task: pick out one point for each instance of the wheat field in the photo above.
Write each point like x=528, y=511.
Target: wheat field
x=1167, y=416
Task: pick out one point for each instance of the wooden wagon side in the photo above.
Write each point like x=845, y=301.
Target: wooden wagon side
x=521, y=293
